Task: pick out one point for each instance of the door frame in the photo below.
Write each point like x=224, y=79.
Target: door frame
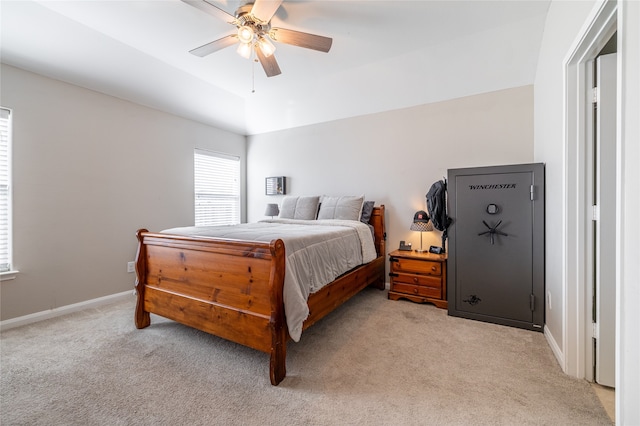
x=577, y=327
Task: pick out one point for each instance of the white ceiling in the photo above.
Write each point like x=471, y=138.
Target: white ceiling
x=386, y=55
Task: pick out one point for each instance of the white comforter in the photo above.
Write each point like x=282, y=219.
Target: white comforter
x=317, y=252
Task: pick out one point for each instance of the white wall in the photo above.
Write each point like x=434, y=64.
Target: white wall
x=394, y=157
x=88, y=171
x=564, y=22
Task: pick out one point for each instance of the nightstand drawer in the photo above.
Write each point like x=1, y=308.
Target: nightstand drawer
x=419, y=266
x=422, y=280
x=417, y=290
x=418, y=277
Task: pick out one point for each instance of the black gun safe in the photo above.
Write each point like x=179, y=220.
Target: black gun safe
x=496, y=244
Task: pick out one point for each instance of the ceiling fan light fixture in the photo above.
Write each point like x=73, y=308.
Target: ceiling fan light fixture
x=245, y=34
x=244, y=50
x=252, y=22
x=266, y=46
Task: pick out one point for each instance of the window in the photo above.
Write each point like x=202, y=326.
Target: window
x=5, y=190
x=217, y=188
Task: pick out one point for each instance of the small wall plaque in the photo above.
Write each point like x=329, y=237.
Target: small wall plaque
x=276, y=185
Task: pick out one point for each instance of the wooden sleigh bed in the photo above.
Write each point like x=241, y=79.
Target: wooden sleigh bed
x=234, y=289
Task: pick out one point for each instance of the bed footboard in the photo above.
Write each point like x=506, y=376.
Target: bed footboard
x=232, y=289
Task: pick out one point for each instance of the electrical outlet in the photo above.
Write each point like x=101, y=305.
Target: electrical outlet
x=549, y=300
x=131, y=266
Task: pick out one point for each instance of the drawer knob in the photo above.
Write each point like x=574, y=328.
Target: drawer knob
x=415, y=290
x=415, y=280
x=433, y=268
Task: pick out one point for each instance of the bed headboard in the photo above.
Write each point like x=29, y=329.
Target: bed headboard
x=380, y=234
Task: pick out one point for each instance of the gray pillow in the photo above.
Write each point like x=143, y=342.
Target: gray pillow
x=367, y=211
x=288, y=208
x=347, y=207
x=303, y=208
x=307, y=208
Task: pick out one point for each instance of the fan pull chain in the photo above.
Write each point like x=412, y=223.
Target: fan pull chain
x=253, y=76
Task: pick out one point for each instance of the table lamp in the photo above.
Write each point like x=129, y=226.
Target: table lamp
x=422, y=224
x=272, y=210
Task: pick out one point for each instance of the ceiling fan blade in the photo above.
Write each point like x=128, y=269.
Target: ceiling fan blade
x=211, y=9
x=265, y=9
x=214, y=46
x=297, y=38
x=269, y=64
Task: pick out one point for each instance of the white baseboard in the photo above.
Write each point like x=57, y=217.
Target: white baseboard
x=557, y=352
x=63, y=310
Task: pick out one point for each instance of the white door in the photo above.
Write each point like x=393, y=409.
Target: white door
x=605, y=220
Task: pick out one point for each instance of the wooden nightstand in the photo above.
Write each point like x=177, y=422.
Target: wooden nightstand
x=419, y=277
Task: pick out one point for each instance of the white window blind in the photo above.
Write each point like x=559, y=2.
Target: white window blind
x=5, y=190
x=217, y=188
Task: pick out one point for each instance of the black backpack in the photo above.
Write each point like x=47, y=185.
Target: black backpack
x=437, y=208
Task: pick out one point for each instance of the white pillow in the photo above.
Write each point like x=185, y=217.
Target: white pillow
x=303, y=208
x=348, y=207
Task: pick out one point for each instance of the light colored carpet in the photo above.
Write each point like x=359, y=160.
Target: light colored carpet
x=373, y=361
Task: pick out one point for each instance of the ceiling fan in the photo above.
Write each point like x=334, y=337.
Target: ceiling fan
x=254, y=33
